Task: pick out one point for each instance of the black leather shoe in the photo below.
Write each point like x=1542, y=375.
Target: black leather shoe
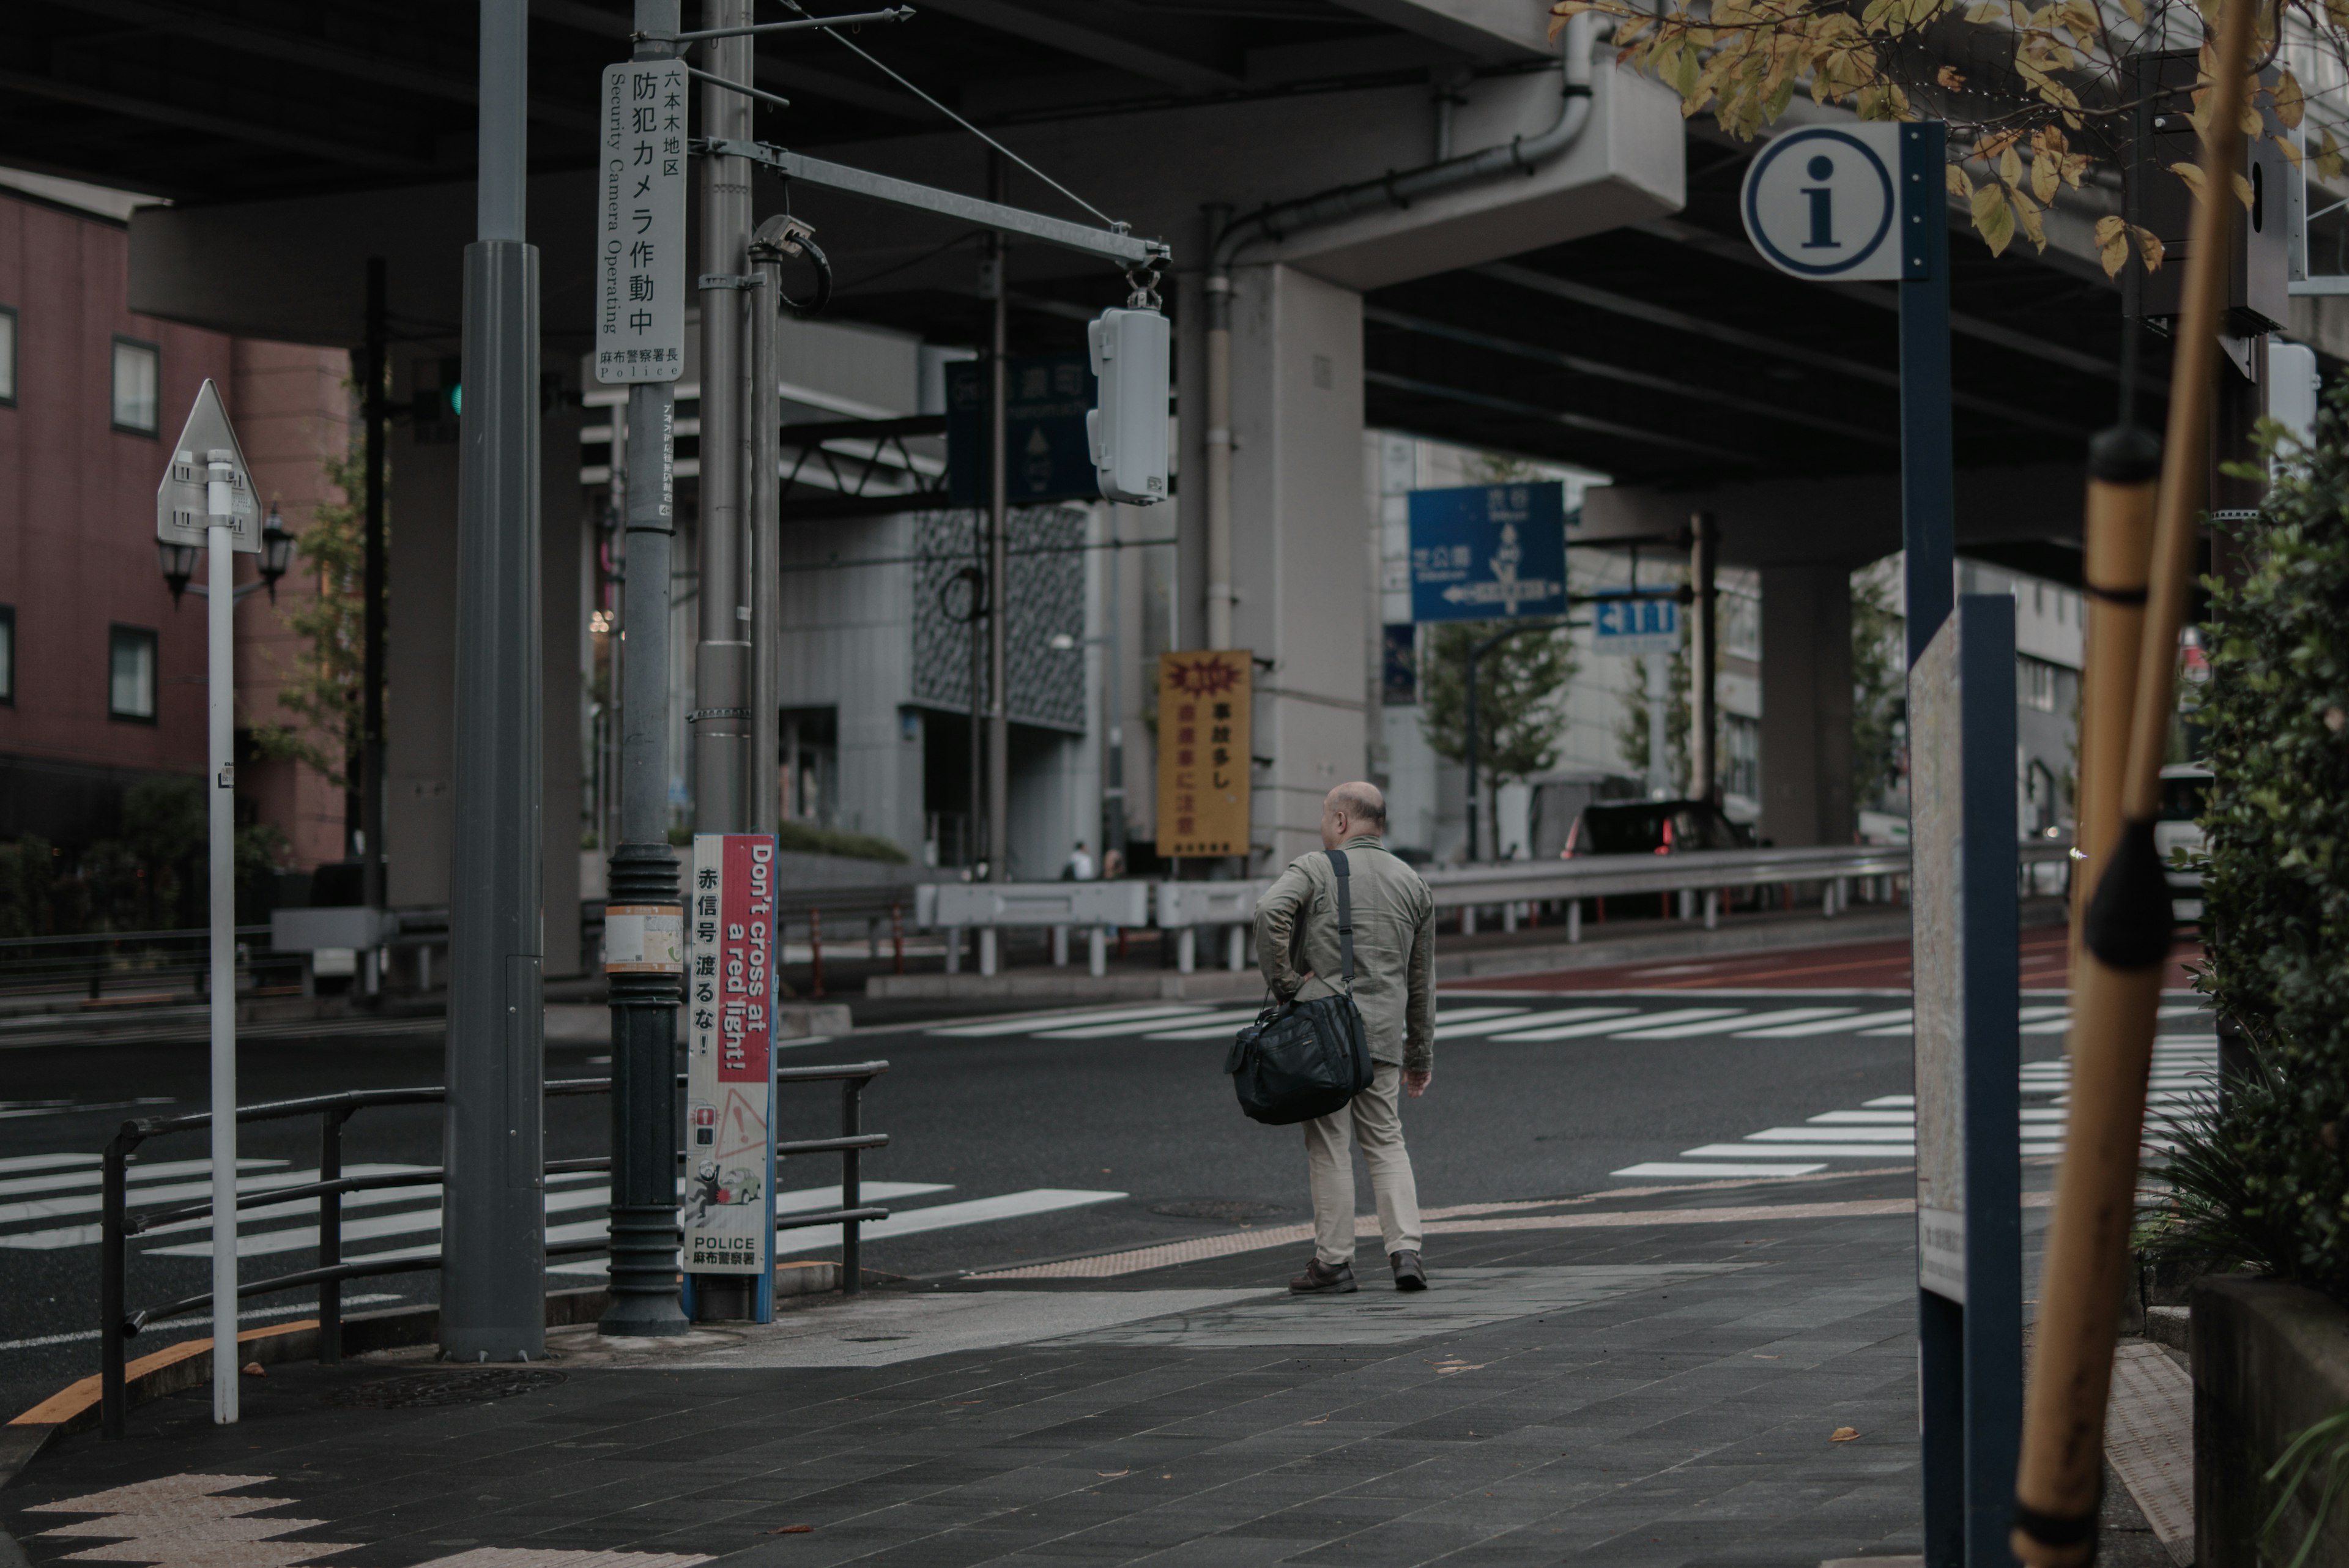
x=1408, y=1274
x=1317, y=1280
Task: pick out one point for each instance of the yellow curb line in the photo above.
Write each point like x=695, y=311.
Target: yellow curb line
x=76, y=1401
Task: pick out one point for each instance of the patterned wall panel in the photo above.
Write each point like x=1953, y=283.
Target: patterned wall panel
x=1047, y=597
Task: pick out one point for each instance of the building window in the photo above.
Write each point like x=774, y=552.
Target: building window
x=7, y=356
x=2035, y=684
x=8, y=655
x=138, y=376
x=130, y=674
x=1740, y=771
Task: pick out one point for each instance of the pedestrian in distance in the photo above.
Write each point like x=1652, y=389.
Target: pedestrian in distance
x=1297, y=944
x=1080, y=867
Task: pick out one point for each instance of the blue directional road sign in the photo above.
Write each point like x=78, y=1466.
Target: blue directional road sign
x=1634, y=624
x=1044, y=427
x=1486, y=551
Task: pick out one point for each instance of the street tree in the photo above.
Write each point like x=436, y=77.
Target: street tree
x=1521, y=688
x=321, y=691
x=2036, y=97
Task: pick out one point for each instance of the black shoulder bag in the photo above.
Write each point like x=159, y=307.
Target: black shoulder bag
x=1304, y=1059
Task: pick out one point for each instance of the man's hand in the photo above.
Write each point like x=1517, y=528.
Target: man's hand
x=1415, y=1083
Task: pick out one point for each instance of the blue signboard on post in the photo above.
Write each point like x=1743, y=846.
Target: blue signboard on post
x=1044, y=427
x=1486, y=551
x=1625, y=622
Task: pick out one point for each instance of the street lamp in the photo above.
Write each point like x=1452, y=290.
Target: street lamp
x=276, y=550
x=178, y=562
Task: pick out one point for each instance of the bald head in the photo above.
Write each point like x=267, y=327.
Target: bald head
x=1351, y=810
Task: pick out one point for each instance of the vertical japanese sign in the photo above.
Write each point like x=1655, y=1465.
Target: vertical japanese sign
x=728, y=1218
x=1203, y=752
x=640, y=224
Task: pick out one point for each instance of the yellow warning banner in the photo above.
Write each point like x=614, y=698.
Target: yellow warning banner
x=1203, y=752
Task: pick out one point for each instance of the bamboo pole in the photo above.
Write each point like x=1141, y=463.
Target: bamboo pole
x=2122, y=462
x=2117, y=987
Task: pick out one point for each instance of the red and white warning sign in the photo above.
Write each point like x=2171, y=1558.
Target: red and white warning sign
x=728, y=1214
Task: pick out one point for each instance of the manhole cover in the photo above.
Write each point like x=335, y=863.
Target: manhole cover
x=1231, y=1210
x=470, y=1387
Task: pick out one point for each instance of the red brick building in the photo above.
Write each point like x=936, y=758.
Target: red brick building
x=101, y=676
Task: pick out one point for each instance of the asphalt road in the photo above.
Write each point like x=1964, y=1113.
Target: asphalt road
x=1081, y=1139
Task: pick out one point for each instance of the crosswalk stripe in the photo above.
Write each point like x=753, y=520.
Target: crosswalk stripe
x=1683, y=1169
x=1825, y=1027
x=1607, y=1025
x=914, y=1222
x=1032, y=1023
x=1800, y=1151
x=45, y=1161
x=1885, y=1126
x=302, y=1238
x=1556, y=1016
x=65, y=1181
x=1216, y=1026
x=1834, y=1135
x=1724, y=1025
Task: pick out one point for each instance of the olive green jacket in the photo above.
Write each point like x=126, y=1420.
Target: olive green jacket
x=1394, y=945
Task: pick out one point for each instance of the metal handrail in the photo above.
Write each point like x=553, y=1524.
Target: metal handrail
x=117, y=1326
x=851, y=1145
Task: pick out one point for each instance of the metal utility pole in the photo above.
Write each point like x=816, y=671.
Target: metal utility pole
x=1113, y=830
x=998, y=546
x=643, y=876
x=766, y=445
x=494, y=1284
x=720, y=722
x=372, y=406
x=1705, y=553
x=220, y=628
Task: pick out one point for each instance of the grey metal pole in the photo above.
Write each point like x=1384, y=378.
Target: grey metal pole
x=371, y=402
x=643, y=874
x=998, y=551
x=219, y=624
x=1705, y=553
x=1113, y=701
x=722, y=677
x=1475, y=653
x=493, y=1239
x=766, y=447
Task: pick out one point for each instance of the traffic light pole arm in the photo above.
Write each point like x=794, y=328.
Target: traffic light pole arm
x=1108, y=243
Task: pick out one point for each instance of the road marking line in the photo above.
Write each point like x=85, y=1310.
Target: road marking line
x=1788, y=1017
x=1612, y=1025
x=1841, y=1135
x=1802, y=1151
x=1827, y=1027
x=1864, y=1119
x=1034, y=1022
x=1673, y=1167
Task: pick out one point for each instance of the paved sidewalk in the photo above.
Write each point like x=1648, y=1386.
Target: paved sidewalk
x=1581, y=1386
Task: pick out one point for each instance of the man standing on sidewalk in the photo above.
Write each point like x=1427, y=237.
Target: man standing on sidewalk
x=1394, y=987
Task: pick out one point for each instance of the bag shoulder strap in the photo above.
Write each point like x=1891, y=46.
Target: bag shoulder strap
x=1345, y=913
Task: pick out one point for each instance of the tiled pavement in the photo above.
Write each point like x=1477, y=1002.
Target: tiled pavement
x=1680, y=1416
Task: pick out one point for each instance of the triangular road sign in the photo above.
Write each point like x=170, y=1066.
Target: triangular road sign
x=181, y=515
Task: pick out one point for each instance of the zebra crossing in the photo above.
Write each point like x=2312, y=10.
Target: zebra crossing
x=1884, y=1128
x=1717, y=1017
x=51, y=1202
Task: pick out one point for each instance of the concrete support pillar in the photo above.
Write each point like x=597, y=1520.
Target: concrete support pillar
x=1807, y=705
x=1297, y=542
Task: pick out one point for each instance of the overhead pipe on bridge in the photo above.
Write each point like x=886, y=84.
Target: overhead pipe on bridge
x=1519, y=154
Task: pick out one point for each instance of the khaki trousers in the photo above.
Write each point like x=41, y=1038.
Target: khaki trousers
x=1374, y=1119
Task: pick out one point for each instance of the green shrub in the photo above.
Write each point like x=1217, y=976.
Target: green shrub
x=2263, y=1182
x=806, y=840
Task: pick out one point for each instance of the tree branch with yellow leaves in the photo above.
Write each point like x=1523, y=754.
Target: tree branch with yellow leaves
x=2036, y=100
